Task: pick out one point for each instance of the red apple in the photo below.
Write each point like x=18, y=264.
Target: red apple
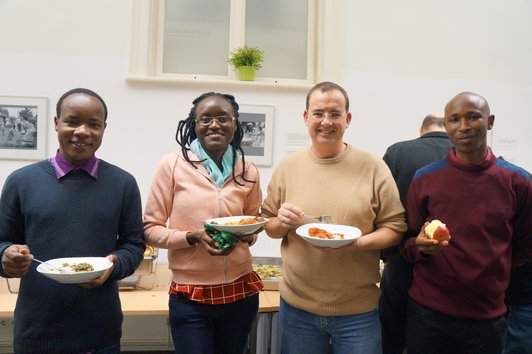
x=437, y=230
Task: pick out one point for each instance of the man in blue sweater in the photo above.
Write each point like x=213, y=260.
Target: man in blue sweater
x=70, y=205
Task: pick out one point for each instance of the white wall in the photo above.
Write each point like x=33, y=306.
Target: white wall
x=398, y=62
x=404, y=60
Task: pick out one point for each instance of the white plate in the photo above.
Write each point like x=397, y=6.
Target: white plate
x=243, y=229
x=351, y=233
x=100, y=265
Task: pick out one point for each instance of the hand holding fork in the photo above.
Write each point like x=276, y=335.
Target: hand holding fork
x=325, y=219
x=291, y=216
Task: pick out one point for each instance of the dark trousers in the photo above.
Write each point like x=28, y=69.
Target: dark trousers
x=395, y=282
x=209, y=329
x=431, y=332
x=112, y=349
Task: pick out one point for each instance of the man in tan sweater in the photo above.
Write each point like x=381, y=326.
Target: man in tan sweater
x=331, y=294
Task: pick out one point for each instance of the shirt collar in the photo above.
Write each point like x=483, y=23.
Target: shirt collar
x=436, y=134
x=63, y=167
x=489, y=160
x=489, y=155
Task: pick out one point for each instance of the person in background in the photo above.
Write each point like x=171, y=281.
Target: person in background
x=331, y=294
x=457, y=295
x=71, y=205
x=29, y=132
x=2, y=125
x=518, y=338
x=214, y=293
x=403, y=159
x=10, y=135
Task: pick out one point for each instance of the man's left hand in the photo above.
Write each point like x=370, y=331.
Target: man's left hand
x=102, y=278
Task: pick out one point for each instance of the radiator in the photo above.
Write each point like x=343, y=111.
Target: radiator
x=265, y=336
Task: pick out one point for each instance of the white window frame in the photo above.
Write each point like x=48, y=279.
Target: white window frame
x=147, y=38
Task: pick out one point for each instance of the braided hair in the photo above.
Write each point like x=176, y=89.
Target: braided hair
x=186, y=133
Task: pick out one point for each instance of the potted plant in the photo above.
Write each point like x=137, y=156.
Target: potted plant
x=247, y=60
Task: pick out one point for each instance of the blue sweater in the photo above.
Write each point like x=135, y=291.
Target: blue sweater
x=71, y=217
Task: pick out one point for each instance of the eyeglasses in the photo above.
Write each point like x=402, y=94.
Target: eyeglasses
x=207, y=121
x=334, y=116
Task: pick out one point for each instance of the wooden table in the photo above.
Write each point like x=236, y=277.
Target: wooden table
x=150, y=303
x=144, y=302
x=274, y=300
x=153, y=304
x=7, y=304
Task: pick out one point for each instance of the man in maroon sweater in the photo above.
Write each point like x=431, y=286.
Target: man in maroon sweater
x=457, y=296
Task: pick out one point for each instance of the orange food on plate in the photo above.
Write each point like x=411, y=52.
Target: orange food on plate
x=245, y=221
x=320, y=233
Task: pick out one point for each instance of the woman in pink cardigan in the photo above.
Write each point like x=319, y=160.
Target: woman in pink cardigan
x=214, y=293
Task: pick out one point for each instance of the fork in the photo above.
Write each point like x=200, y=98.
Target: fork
x=59, y=269
x=326, y=219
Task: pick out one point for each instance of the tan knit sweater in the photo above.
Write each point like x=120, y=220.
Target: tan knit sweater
x=358, y=189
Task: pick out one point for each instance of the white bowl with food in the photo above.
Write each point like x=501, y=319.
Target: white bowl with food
x=244, y=224
x=328, y=235
x=74, y=270
x=270, y=274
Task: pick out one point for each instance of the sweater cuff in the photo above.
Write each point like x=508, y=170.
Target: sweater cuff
x=116, y=274
x=2, y=249
x=254, y=240
x=181, y=239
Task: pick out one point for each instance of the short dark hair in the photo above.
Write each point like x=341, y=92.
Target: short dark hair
x=328, y=86
x=83, y=91
x=186, y=133
x=431, y=120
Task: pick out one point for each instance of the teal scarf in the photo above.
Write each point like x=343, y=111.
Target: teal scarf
x=218, y=176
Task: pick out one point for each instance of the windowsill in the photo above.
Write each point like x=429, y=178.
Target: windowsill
x=228, y=82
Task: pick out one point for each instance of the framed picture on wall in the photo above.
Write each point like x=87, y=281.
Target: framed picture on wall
x=257, y=124
x=23, y=127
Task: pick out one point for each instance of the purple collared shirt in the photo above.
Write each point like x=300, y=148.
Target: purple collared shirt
x=63, y=167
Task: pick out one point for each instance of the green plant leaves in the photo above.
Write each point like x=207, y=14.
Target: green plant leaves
x=246, y=56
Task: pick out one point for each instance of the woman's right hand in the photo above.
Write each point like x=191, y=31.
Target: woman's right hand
x=203, y=237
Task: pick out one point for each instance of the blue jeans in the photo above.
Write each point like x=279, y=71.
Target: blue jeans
x=519, y=332
x=305, y=332
x=207, y=329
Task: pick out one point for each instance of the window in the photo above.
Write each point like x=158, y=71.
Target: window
x=280, y=28
x=196, y=37
x=191, y=39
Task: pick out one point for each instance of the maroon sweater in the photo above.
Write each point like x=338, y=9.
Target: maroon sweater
x=488, y=210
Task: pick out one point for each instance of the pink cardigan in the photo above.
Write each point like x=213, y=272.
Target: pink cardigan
x=184, y=197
